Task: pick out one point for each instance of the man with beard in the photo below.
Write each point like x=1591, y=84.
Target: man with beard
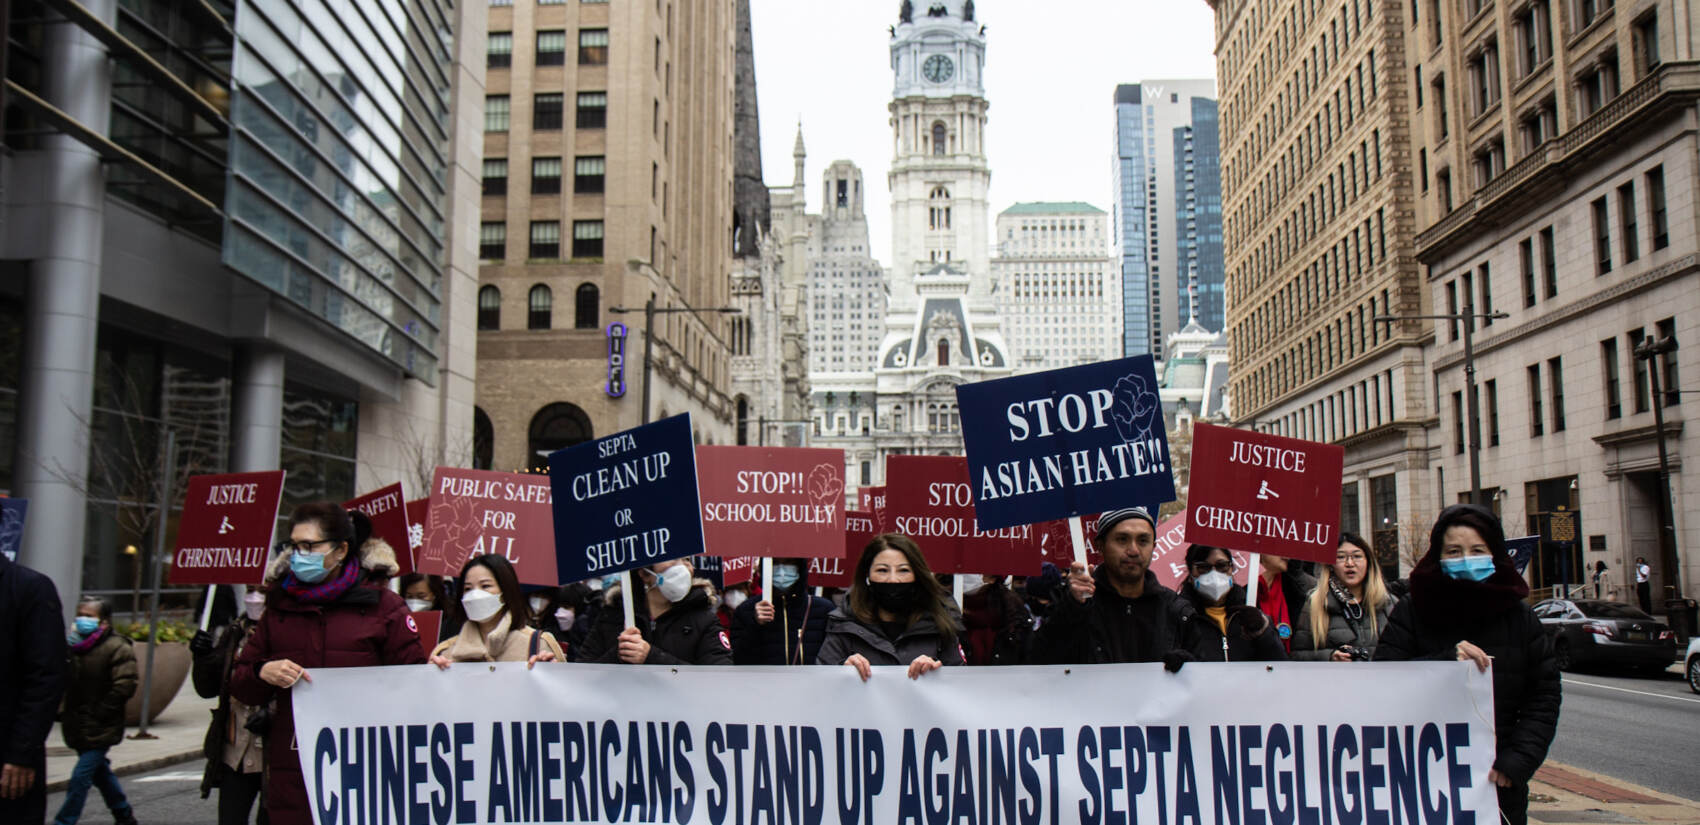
x=1118, y=613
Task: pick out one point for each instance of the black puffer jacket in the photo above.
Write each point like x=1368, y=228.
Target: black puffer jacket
x=32, y=646
x=1109, y=629
x=1250, y=636
x=845, y=637
x=211, y=677
x=1441, y=612
x=689, y=633
x=103, y=678
x=799, y=620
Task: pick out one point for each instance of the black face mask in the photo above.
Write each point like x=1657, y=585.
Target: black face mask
x=895, y=597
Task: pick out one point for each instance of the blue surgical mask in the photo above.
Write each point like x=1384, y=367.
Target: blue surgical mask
x=610, y=580
x=86, y=625
x=308, y=567
x=1469, y=568
x=785, y=575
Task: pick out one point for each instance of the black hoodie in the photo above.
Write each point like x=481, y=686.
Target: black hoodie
x=1492, y=615
x=689, y=633
x=793, y=637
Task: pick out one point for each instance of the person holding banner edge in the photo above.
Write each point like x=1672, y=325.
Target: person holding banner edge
x=327, y=610
x=495, y=620
x=1344, y=617
x=1228, y=629
x=1119, y=612
x=897, y=613
x=1467, y=603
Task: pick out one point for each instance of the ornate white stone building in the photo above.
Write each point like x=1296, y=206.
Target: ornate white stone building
x=846, y=293
x=942, y=327
x=1058, y=289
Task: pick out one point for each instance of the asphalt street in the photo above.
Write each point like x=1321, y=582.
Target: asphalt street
x=1644, y=730
x=171, y=796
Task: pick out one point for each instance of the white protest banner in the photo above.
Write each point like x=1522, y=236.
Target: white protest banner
x=1215, y=744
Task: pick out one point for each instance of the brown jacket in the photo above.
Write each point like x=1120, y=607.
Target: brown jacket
x=502, y=645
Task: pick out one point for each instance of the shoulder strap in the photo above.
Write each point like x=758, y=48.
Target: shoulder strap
x=536, y=639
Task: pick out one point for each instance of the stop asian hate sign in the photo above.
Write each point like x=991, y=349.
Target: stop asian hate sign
x=1264, y=493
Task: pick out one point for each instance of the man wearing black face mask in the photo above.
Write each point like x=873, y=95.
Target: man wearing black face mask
x=1119, y=613
x=787, y=630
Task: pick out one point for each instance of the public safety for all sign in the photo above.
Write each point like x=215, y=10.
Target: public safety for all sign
x=1215, y=744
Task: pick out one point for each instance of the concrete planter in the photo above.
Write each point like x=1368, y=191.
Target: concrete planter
x=169, y=674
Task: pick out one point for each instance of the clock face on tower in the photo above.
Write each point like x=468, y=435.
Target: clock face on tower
x=938, y=68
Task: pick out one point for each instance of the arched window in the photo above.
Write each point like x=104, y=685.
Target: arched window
x=555, y=427
x=940, y=136
x=483, y=440
x=743, y=421
x=539, y=304
x=489, y=307
x=587, y=306
x=944, y=352
x=938, y=208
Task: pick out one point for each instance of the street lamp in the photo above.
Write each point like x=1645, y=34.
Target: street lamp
x=1649, y=350
x=1468, y=317
x=649, y=312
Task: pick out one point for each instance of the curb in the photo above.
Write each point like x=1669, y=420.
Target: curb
x=139, y=766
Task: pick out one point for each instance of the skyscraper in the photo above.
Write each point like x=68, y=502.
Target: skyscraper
x=847, y=298
x=1198, y=216
x=1142, y=209
x=1055, y=279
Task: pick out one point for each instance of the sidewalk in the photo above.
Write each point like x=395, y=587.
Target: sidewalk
x=1562, y=795
x=180, y=728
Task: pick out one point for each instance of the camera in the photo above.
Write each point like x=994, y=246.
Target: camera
x=259, y=721
x=1358, y=654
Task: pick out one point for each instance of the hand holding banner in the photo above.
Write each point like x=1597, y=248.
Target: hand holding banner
x=627, y=501
x=225, y=533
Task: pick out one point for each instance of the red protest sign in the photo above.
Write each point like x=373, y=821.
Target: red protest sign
x=872, y=502
x=387, y=509
x=737, y=570
x=928, y=500
x=428, y=624
x=771, y=501
x=1264, y=493
x=418, y=515
x=225, y=533
x=474, y=512
x=859, y=529
x=1053, y=543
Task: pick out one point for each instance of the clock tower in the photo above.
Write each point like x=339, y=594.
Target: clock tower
x=939, y=176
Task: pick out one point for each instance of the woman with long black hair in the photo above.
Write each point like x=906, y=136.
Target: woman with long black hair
x=897, y=613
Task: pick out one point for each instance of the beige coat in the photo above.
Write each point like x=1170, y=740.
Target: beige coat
x=502, y=645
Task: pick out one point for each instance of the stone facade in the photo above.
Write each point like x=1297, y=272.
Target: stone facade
x=1057, y=290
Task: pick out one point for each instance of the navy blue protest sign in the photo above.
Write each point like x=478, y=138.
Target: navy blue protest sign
x=626, y=501
x=12, y=511
x=1521, y=550
x=1065, y=442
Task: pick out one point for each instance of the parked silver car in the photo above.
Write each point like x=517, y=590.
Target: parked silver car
x=1590, y=632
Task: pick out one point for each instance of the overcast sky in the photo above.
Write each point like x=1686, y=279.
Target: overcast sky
x=1051, y=71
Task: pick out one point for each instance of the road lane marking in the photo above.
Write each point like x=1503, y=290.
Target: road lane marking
x=1627, y=690
x=175, y=776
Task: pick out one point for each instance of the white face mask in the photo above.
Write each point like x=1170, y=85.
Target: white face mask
x=1213, y=585
x=674, y=582
x=733, y=598
x=253, y=605
x=418, y=605
x=480, y=604
x=564, y=617
x=537, y=604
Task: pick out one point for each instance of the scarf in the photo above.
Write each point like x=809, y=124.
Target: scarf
x=88, y=644
x=1272, y=600
x=326, y=591
x=473, y=646
x=1460, y=605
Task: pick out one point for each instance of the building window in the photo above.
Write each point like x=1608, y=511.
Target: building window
x=552, y=48
x=492, y=241
x=944, y=352
x=1493, y=413
x=489, y=307
x=545, y=239
x=496, y=113
x=592, y=110
x=1384, y=520
x=1490, y=161
x=483, y=440
x=1537, y=417
x=1549, y=259
x=593, y=47
x=1647, y=43
x=587, y=239
x=1484, y=281
x=1636, y=336
x=1458, y=423
x=1555, y=380
x=1443, y=182
x=557, y=427
x=588, y=172
x=1598, y=86
x=1602, y=236
x=587, y=307
x=1443, y=128
x=1534, y=35
x=1526, y=262
x=495, y=176
x=545, y=176
x=1452, y=309
x=1608, y=373
x=1484, y=78
x=499, y=53
x=539, y=305
x=940, y=138
x=1626, y=217
x=1667, y=361
x=546, y=112
x=1656, y=207
x=1588, y=10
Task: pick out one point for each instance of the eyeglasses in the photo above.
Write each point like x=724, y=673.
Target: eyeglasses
x=1346, y=557
x=1220, y=567
x=287, y=546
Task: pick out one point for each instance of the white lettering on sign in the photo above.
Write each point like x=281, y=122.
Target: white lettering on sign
x=1074, y=469
x=1071, y=413
x=770, y=482
x=1263, y=455
x=616, y=444
x=952, y=527
x=621, y=552
x=382, y=504
x=232, y=493
x=626, y=474
x=1264, y=525
x=498, y=489
x=192, y=557
x=943, y=494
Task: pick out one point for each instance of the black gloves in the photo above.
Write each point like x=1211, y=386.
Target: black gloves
x=201, y=644
x=1173, y=660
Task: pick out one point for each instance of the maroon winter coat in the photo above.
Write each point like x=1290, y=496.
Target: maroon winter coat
x=368, y=626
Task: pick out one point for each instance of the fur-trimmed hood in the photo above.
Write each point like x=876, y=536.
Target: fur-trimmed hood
x=377, y=558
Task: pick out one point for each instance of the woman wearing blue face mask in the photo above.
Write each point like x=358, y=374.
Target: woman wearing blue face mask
x=1467, y=603
x=789, y=629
